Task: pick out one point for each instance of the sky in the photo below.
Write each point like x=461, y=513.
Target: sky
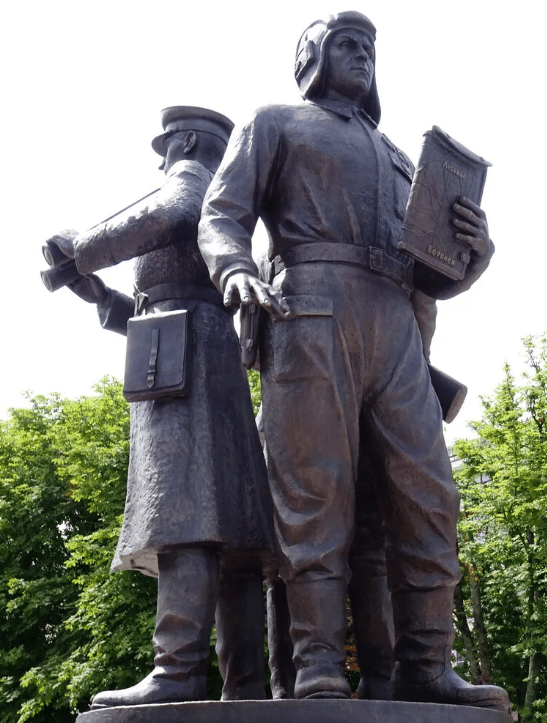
x=83, y=86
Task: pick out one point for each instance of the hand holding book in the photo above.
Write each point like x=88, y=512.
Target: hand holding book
x=473, y=227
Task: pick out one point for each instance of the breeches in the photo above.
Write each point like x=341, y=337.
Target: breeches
x=344, y=380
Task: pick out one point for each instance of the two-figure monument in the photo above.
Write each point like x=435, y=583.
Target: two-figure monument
x=357, y=467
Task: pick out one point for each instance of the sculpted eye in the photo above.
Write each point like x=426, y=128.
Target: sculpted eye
x=345, y=43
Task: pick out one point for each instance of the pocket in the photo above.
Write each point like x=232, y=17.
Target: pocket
x=402, y=180
x=303, y=342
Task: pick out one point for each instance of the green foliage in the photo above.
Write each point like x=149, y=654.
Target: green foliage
x=256, y=390
x=503, y=531
x=68, y=628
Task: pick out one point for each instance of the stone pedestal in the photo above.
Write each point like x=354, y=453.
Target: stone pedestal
x=294, y=711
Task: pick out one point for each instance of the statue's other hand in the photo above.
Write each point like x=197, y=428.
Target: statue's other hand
x=247, y=289
x=473, y=227
x=90, y=288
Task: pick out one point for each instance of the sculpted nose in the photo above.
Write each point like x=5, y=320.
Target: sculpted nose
x=362, y=55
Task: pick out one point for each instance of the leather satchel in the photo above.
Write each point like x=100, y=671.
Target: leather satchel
x=157, y=356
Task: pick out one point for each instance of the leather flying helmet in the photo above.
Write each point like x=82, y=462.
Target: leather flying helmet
x=311, y=57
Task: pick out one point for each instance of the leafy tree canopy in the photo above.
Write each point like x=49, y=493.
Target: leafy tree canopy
x=503, y=537
x=68, y=627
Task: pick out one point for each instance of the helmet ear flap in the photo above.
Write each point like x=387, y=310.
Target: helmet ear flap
x=307, y=66
x=304, y=60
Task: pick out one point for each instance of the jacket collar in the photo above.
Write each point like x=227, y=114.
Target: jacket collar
x=184, y=165
x=344, y=110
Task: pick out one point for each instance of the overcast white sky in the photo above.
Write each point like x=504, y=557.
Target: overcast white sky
x=83, y=86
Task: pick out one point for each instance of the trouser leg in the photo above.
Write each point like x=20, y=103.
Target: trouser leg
x=187, y=590
x=420, y=506
x=418, y=496
x=311, y=427
x=240, y=627
x=311, y=477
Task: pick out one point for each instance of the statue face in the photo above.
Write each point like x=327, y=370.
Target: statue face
x=350, y=66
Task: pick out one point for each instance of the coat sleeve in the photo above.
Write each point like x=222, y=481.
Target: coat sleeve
x=440, y=287
x=149, y=225
x=475, y=269
x=115, y=311
x=236, y=197
x=425, y=311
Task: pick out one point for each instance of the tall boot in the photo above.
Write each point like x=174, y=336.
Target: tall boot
x=283, y=672
x=240, y=627
x=374, y=635
x=187, y=591
x=424, y=635
x=318, y=632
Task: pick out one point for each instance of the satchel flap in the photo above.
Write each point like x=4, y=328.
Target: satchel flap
x=156, y=346
x=308, y=305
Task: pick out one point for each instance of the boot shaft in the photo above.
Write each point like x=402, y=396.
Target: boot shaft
x=424, y=631
x=318, y=632
x=187, y=594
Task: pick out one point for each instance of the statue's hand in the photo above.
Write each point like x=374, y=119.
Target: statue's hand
x=90, y=288
x=471, y=220
x=247, y=289
x=65, y=241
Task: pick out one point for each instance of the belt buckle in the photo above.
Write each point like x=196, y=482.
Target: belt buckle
x=376, y=259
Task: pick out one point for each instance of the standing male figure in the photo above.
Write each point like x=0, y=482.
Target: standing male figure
x=198, y=509
x=342, y=360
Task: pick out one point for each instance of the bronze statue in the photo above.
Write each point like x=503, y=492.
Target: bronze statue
x=342, y=360
x=198, y=508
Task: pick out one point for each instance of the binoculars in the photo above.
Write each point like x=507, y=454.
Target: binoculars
x=62, y=269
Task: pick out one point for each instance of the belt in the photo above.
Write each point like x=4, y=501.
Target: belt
x=370, y=257
x=164, y=292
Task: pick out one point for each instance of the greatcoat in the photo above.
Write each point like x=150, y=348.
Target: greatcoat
x=196, y=472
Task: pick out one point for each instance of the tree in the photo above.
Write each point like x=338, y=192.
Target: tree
x=503, y=538
x=68, y=627
x=35, y=592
